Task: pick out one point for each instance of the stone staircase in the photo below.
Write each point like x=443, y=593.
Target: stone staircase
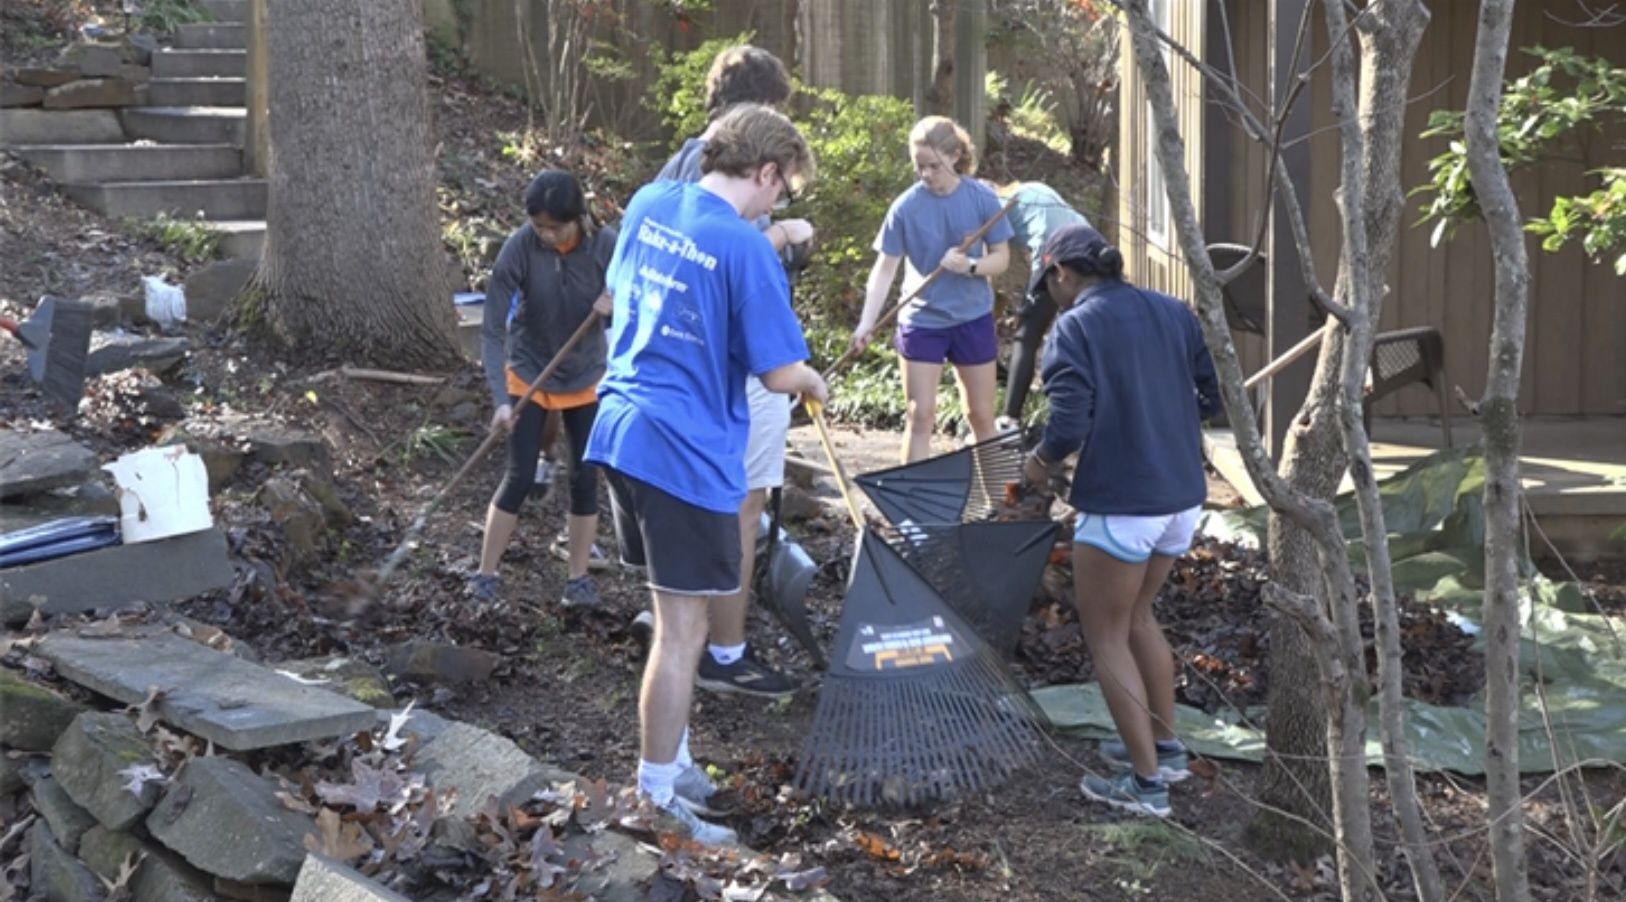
x=181, y=153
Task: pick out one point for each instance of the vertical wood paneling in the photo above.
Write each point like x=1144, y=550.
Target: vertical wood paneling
x=1577, y=321
x=1162, y=269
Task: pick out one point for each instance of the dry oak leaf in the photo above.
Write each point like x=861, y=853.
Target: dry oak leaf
x=338, y=840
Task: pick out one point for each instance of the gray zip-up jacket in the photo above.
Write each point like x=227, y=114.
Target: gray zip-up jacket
x=536, y=298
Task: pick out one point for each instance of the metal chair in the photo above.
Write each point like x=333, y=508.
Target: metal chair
x=1399, y=358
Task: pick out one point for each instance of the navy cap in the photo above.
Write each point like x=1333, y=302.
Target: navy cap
x=1073, y=244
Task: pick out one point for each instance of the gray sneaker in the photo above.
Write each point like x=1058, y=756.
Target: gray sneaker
x=1171, y=766
x=1125, y=792
x=677, y=818
x=695, y=791
x=484, y=586
x=580, y=593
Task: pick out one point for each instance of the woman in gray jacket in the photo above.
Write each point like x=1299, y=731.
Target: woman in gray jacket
x=554, y=268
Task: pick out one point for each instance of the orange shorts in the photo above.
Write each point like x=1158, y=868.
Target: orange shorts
x=552, y=400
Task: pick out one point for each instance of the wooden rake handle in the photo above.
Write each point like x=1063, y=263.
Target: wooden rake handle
x=887, y=317
x=816, y=411
x=493, y=438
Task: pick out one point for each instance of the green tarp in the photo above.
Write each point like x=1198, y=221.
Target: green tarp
x=1436, y=539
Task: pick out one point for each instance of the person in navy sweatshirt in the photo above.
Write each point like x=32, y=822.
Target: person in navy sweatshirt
x=1129, y=381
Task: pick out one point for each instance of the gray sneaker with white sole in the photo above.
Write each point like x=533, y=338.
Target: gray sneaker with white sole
x=1172, y=766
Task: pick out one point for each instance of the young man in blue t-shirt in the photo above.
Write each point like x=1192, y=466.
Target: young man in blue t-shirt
x=701, y=303
x=746, y=74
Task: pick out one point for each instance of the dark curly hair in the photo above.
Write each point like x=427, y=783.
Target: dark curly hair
x=745, y=74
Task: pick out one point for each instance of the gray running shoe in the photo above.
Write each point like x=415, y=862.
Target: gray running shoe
x=580, y=593
x=484, y=586
x=1125, y=792
x=695, y=791
x=676, y=818
x=1171, y=766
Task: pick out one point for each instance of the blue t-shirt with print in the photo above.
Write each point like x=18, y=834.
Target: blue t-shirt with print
x=700, y=303
x=921, y=227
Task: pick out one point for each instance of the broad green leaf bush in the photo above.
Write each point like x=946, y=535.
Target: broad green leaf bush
x=1566, y=97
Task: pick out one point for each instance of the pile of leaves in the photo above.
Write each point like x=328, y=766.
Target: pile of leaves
x=1219, y=628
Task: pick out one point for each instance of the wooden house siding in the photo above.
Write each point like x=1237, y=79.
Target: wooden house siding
x=1575, y=353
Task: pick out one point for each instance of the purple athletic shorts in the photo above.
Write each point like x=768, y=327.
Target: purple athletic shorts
x=968, y=344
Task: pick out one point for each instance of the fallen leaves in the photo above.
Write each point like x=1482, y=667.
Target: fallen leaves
x=338, y=839
x=372, y=788
x=146, y=710
x=137, y=776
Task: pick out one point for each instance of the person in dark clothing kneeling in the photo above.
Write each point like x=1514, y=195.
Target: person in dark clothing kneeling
x=1129, y=380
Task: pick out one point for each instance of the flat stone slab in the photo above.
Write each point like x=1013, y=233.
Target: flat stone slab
x=160, y=877
x=226, y=820
x=321, y=879
x=55, y=874
x=37, y=461
x=90, y=760
x=479, y=764
x=218, y=696
x=165, y=570
x=68, y=821
x=32, y=716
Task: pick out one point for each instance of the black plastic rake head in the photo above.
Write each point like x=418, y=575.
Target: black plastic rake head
x=962, y=486
x=987, y=572
x=915, y=705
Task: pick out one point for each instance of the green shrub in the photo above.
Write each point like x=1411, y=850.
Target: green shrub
x=167, y=15
x=861, y=146
x=678, y=93
x=193, y=240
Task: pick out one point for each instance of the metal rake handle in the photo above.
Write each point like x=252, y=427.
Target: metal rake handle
x=816, y=411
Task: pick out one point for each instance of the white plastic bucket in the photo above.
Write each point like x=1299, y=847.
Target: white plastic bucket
x=162, y=492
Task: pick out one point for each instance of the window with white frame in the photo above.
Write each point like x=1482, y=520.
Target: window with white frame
x=1157, y=198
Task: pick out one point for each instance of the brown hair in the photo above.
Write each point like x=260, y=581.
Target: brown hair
x=749, y=135
x=745, y=74
x=945, y=136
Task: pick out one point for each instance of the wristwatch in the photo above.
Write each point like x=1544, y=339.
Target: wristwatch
x=972, y=267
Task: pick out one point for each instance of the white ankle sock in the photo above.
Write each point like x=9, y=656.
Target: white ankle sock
x=655, y=780
x=726, y=654
x=684, y=760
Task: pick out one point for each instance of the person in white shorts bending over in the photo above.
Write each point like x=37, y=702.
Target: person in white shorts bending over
x=1129, y=381
x=746, y=74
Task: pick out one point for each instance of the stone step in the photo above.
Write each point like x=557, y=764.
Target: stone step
x=229, y=92
x=212, y=36
x=186, y=124
x=76, y=164
x=241, y=237
x=35, y=126
x=237, y=705
x=227, y=10
x=152, y=572
x=214, y=198
x=199, y=63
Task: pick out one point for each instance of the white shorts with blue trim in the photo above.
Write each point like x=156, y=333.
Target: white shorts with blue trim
x=1134, y=539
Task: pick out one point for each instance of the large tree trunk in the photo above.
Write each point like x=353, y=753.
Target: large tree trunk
x=940, y=96
x=1500, y=413
x=353, y=264
x=1295, y=786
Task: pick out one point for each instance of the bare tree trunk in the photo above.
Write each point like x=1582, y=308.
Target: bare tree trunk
x=353, y=264
x=1339, y=656
x=1369, y=168
x=940, y=96
x=1500, y=414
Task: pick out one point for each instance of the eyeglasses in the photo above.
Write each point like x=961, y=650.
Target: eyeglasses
x=787, y=198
